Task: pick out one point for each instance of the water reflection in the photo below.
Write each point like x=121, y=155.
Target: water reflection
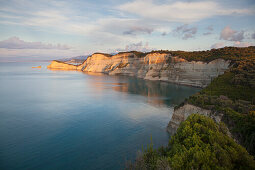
x=157, y=93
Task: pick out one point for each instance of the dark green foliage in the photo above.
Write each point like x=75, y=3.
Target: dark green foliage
x=244, y=72
x=199, y=143
x=233, y=95
x=136, y=53
x=139, y=54
x=227, y=53
x=243, y=126
x=222, y=85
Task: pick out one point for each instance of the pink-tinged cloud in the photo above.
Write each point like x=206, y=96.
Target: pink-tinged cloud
x=17, y=43
x=242, y=44
x=231, y=35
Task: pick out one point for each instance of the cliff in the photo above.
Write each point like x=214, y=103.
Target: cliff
x=152, y=66
x=229, y=100
x=182, y=113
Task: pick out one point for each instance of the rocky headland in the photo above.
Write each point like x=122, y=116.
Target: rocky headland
x=152, y=66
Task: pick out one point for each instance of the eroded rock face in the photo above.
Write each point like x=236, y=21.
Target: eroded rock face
x=181, y=114
x=154, y=66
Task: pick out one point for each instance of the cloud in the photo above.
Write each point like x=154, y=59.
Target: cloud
x=253, y=36
x=15, y=49
x=209, y=30
x=231, y=35
x=136, y=47
x=207, y=33
x=163, y=33
x=242, y=44
x=235, y=44
x=179, y=11
x=35, y=54
x=16, y=43
x=218, y=45
x=91, y=25
x=185, y=31
x=135, y=30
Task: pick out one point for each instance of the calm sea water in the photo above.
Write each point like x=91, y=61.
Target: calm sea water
x=72, y=120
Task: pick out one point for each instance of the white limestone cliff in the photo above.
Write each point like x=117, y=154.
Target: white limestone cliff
x=153, y=66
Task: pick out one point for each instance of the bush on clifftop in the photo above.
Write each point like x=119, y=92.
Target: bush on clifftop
x=199, y=143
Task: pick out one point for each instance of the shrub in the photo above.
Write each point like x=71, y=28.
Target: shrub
x=199, y=143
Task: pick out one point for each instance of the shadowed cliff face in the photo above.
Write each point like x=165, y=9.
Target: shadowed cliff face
x=153, y=66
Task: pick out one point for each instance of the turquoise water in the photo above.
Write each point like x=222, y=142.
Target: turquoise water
x=72, y=120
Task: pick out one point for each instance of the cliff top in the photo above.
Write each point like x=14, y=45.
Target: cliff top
x=226, y=53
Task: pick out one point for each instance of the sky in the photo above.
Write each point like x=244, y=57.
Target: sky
x=51, y=29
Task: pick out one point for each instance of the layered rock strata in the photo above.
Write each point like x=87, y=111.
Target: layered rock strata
x=153, y=66
x=180, y=114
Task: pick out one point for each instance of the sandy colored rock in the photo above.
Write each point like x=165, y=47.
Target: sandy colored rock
x=153, y=66
x=61, y=66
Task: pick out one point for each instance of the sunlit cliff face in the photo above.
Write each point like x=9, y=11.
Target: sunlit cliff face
x=151, y=66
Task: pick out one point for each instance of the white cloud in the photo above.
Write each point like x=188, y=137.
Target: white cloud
x=231, y=35
x=179, y=11
x=112, y=30
x=106, y=26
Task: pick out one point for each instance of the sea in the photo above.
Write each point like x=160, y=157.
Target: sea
x=52, y=119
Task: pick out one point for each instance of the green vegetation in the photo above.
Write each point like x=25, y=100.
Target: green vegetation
x=226, y=53
x=233, y=95
x=234, y=54
x=137, y=53
x=199, y=143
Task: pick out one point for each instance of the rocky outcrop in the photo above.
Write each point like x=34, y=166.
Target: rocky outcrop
x=153, y=66
x=180, y=114
x=58, y=65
